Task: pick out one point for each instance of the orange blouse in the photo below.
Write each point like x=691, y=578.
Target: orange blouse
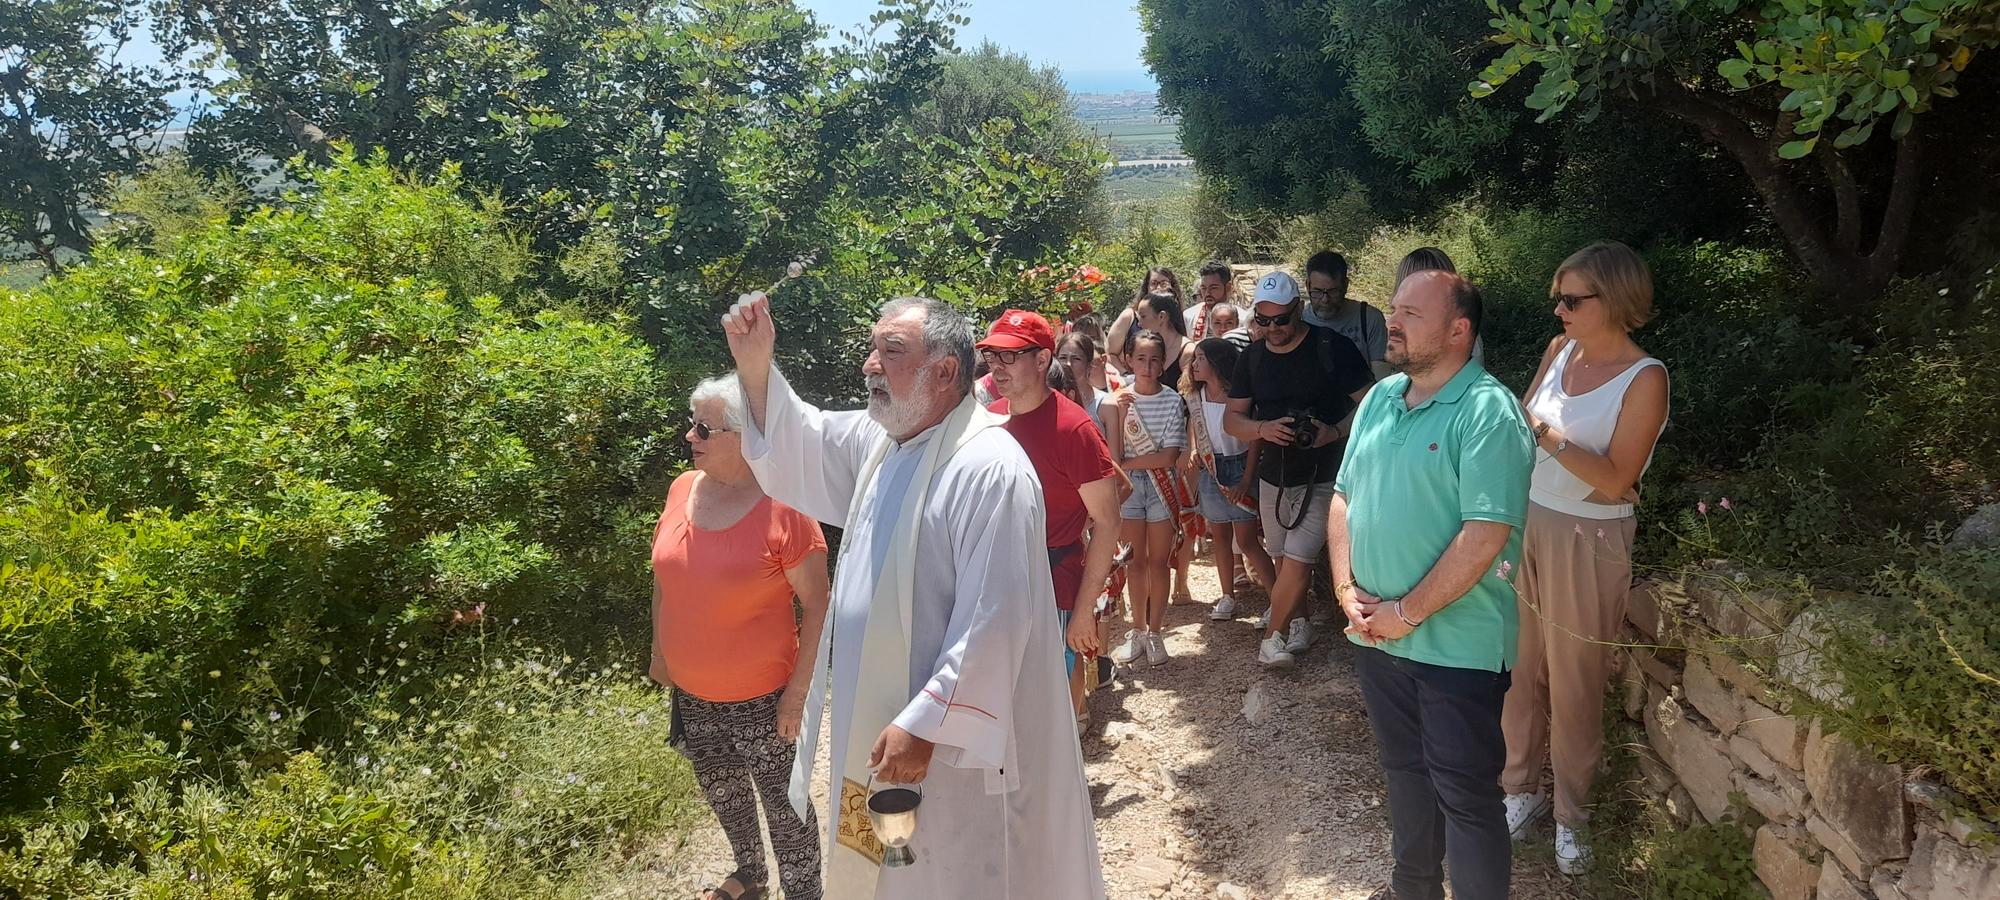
x=723, y=628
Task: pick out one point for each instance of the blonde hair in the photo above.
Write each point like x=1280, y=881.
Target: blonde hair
x=1619, y=277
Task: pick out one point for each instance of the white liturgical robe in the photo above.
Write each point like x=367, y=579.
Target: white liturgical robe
x=1006, y=810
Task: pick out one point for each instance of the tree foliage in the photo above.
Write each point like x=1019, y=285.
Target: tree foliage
x=1298, y=106
x=72, y=117
x=296, y=440
x=1766, y=81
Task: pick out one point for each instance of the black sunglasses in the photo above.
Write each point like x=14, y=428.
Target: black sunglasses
x=1571, y=301
x=703, y=430
x=1268, y=321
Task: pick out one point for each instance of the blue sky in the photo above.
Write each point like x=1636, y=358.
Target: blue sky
x=1096, y=43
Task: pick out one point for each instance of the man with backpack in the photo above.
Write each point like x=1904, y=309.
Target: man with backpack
x=1295, y=390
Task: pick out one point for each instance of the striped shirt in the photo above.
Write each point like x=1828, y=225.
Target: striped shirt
x=1165, y=416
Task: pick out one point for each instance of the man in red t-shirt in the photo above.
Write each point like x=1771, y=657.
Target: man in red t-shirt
x=1075, y=467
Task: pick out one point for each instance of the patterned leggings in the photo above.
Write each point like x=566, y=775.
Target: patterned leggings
x=734, y=746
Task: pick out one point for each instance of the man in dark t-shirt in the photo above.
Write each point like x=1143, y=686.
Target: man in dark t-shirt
x=1298, y=372
x=1079, y=479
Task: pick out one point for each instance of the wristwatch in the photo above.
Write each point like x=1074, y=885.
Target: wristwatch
x=1541, y=431
x=1560, y=447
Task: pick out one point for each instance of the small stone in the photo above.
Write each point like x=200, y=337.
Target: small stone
x=1835, y=885
x=1980, y=530
x=1778, y=735
x=1116, y=732
x=1257, y=704
x=1838, y=845
x=1714, y=701
x=1654, y=667
x=1700, y=759
x=1747, y=752
x=1768, y=798
x=1861, y=800
x=1801, y=653
x=1231, y=891
x=1642, y=608
x=1784, y=862
x=1944, y=869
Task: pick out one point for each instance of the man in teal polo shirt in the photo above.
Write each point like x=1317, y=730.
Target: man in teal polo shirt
x=1425, y=534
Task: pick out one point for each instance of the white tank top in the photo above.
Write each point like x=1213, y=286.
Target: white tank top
x=1587, y=421
x=1219, y=441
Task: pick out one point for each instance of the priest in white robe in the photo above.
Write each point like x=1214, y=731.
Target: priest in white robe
x=943, y=637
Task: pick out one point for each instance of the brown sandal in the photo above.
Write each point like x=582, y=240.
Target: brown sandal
x=751, y=890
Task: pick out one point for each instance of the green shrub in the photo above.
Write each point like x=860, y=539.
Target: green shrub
x=229, y=472
x=462, y=776
x=1922, y=673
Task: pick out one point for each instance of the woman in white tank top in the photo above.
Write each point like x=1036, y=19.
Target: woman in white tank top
x=1596, y=408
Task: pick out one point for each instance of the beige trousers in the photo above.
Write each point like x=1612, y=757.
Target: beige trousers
x=1576, y=575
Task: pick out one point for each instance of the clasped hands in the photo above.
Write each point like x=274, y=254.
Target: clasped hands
x=1372, y=618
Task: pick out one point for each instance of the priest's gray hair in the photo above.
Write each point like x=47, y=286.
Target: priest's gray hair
x=726, y=389
x=947, y=333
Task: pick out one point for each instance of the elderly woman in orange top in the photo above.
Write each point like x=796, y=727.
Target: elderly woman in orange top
x=727, y=563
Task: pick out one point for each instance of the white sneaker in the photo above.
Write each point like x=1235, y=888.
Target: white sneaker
x=1271, y=653
x=1224, y=609
x=1572, y=855
x=1301, y=636
x=1242, y=576
x=1262, y=622
x=1523, y=810
x=1133, y=648
x=1156, y=649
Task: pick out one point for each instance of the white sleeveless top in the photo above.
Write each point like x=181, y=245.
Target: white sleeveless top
x=1219, y=441
x=1585, y=420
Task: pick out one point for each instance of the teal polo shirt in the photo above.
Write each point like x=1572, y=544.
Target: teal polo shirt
x=1412, y=477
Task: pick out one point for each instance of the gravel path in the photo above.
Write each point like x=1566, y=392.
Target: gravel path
x=1191, y=797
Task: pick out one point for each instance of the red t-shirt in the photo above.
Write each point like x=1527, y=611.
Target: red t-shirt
x=1068, y=452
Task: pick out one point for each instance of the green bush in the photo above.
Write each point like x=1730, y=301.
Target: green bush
x=505, y=775
x=1921, y=674
x=230, y=471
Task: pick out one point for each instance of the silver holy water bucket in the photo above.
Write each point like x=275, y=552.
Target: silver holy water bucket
x=893, y=812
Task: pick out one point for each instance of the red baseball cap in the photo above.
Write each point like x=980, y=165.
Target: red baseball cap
x=1019, y=329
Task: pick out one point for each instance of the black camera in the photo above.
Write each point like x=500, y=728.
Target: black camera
x=1305, y=431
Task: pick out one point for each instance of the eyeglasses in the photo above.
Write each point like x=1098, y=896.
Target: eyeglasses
x=704, y=430
x=1319, y=293
x=1003, y=357
x=1571, y=301
x=1269, y=321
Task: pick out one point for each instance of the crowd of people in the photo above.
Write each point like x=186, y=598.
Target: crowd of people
x=1008, y=501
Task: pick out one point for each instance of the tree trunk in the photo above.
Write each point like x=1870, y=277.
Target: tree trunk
x=1827, y=242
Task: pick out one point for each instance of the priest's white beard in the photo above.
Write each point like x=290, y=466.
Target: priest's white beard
x=897, y=416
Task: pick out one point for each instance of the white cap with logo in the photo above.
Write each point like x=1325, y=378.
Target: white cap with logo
x=1277, y=289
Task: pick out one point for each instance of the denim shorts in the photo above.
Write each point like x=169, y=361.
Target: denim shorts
x=1214, y=506
x=1145, y=503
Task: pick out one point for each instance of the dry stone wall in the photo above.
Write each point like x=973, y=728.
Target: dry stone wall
x=1712, y=664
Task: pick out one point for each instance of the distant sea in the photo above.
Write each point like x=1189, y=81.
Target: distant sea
x=1108, y=82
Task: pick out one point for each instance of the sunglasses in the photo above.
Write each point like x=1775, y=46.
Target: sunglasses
x=1003, y=357
x=1269, y=321
x=1571, y=301
x=704, y=430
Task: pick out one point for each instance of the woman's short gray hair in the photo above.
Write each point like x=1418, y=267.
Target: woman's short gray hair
x=947, y=333
x=726, y=389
